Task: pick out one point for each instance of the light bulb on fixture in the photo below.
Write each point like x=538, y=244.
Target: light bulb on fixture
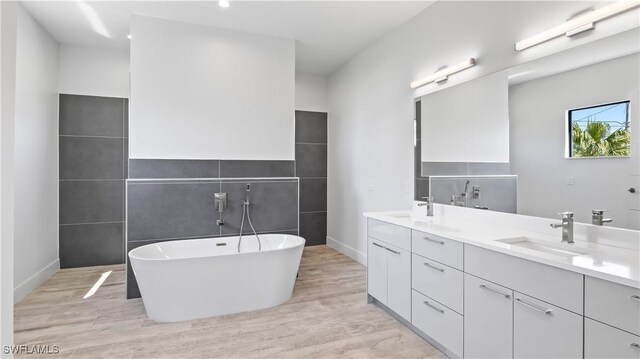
x=224, y=3
x=129, y=36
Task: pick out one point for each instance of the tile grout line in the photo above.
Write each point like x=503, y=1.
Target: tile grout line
x=89, y=223
x=90, y=136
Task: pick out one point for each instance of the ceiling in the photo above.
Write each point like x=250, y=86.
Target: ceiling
x=327, y=33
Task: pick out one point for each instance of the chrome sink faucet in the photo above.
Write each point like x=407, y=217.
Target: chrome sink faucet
x=597, y=217
x=566, y=225
x=429, y=204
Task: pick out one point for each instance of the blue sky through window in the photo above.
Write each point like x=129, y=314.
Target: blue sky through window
x=613, y=114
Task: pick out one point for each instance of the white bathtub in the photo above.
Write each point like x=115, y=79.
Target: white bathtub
x=199, y=278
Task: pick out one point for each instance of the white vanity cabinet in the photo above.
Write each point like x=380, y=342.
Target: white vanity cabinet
x=488, y=319
x=541, y=330
x=377, y=270
x=475, y=302
x=389, y=266
x=612, y=323
x=520, y=325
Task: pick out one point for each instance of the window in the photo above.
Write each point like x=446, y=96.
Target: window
x=599, y=131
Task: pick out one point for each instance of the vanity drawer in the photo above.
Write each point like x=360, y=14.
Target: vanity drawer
x=613, y=304
x=603, y=341
x=438, y=322
x=554, y=285
x=395, y=235
x=438, y=248
x=438, y=281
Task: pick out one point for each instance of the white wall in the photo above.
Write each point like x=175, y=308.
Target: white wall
x=537, y=111
x=371, y=104
x=311, y=92
x=199, y=92
x=85, y=70
x=8, y=30
x=36, y=156
x=467, y=123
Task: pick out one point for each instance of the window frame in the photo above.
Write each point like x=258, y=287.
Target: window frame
x=568, y=132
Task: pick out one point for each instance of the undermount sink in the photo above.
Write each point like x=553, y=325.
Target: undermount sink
x=561, y=249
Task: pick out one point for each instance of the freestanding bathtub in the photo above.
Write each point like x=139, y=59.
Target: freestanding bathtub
x=199, y=278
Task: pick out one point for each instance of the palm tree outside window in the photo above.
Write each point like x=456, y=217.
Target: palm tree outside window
x=599, y=131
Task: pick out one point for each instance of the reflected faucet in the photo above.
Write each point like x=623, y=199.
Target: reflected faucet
x=597, y=217
x=566, y=225
x=461, y=200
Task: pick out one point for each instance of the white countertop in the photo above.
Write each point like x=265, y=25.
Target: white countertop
x=609, y=262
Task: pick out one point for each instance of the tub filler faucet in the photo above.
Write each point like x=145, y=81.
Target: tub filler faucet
x=461, y=200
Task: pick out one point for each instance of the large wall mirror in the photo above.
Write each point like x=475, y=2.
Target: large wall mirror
x=556, y=134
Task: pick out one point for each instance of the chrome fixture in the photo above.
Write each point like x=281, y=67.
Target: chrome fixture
x=534, y=307
x=480, y=207
x=475, y=190
x=461, y=200
x=220, y=201
x=245, y=210
x=429, y=204
x=566, y=225
x=597, y=217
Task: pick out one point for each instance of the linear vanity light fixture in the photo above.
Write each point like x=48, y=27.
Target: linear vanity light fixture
x=578, y=24
x=443, y=74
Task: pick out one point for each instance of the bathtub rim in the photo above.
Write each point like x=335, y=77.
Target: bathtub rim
x=134, y=257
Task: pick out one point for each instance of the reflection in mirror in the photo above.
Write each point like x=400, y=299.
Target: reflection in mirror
x=570, y=133
x=599, y=131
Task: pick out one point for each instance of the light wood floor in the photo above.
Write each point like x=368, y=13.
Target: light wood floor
x=327, y=317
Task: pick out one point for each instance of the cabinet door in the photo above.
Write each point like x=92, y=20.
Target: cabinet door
x=377, y=270
x=488, y=319
x=399, y=281
x=541, y=330
x=603, y=341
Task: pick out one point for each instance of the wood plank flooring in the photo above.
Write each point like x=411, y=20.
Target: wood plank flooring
x=327, y=317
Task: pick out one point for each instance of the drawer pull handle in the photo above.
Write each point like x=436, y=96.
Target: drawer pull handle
x=434, y=267
x=377, y=245
x=441, y=311
x=495, y=291
x=533, y=306
x=636, y=297
x=392, y=251
x=635, y=346
x=434, y=240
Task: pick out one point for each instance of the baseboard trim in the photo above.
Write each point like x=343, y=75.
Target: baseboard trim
x=348, y=251
x=33, y=282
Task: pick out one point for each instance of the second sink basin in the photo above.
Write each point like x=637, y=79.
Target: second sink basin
x=561, y=250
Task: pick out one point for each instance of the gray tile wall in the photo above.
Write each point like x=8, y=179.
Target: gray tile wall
x=183, y=207
x=496, y=193
x=93, y=151
x=311, y=168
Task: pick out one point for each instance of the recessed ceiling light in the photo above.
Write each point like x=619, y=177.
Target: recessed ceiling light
x=129, y=36
x=224, y=3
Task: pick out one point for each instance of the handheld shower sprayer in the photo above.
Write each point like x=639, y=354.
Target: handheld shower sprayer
x=245, y=210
